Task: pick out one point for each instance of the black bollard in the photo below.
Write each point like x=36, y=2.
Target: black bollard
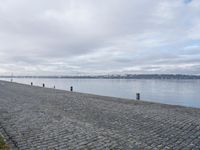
x=137, y=96
x=43, y=85
x=71, y=88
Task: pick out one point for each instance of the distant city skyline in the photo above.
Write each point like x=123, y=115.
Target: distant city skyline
x=67, y=37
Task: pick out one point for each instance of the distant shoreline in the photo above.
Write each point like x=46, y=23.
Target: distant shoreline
x=127, y=76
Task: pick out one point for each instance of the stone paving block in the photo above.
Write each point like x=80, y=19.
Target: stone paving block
x=41, y=118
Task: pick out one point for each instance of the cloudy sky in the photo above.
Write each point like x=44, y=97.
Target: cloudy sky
x=77, y=37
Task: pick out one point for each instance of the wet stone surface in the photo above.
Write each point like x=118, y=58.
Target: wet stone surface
x=40, y=118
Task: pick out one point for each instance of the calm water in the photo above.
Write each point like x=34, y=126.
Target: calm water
x=179, y=92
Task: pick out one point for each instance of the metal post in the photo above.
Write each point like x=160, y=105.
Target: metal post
x=137, y=96
x=71, y=88
x=11, y=77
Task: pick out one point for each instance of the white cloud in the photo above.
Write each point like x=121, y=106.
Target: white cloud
x=90, y=36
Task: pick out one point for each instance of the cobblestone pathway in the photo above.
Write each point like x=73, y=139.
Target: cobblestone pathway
x=41, y=118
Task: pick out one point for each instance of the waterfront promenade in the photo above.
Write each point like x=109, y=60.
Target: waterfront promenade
x=41, y=118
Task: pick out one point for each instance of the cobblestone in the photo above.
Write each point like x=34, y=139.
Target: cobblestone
x=41, y=118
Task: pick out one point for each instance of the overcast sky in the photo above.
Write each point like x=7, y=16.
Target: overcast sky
x=77, y=37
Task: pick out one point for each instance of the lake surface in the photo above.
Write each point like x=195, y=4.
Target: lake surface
x=178, y=92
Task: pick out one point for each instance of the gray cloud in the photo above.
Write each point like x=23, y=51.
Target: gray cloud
x=97, y=37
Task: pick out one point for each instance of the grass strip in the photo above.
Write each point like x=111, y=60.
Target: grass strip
x=3, y=145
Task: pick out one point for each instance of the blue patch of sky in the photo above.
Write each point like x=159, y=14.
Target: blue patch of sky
x=178, y=48
x=193, y=43
x=190, y=47
x=187, y=1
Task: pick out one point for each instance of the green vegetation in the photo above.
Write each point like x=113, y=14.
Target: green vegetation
x=3, y=145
